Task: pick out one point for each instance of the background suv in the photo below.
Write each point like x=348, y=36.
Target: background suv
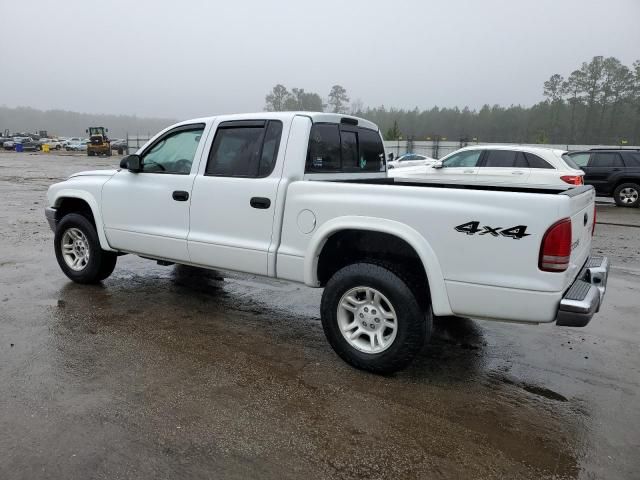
x=613, y=172
x=498, y=165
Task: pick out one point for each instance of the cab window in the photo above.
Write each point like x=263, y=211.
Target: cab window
x=244, y=148
x=173, y=153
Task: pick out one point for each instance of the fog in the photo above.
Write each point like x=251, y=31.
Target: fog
x=183, y=59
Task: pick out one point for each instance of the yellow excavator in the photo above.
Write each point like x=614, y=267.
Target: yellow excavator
x=99, y=143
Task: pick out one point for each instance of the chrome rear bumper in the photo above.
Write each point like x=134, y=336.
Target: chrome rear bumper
x=583, y=299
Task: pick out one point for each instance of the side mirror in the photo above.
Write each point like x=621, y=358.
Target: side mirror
x=437, y=164
x=133, y=163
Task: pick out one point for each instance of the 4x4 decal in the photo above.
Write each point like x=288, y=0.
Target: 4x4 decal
x=471, y=228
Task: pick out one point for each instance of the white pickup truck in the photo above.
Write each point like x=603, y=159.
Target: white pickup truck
x=305, y=197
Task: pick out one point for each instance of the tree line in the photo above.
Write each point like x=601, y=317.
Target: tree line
x=598, y=103
x=280, y=99
x=65, y=123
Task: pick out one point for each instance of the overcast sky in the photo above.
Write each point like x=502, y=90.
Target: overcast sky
x=181, y=59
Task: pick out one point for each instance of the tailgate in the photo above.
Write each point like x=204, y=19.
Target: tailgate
x=582, y=204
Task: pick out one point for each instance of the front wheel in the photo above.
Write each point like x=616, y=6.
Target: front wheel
x=627, y=195
x=78, y=250
x=373, y=319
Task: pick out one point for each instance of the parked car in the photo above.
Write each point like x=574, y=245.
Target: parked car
x=28, y=144
x=613, y=172
x=119, y=145
x=11, y=143
x=305, y=198
x=79, y=146
x=69, y=141
x=410, y=160
x=53, y=143
x=498, y=165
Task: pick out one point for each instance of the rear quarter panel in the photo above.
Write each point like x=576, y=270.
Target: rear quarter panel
x=480, y=257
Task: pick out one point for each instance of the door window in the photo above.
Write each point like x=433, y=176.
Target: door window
x=580, y=159
x=468, y=158
x=535, y=161
x=244, y=149
x=632, y=159
x=174, y=152
x=505, y=159
x=606, y=159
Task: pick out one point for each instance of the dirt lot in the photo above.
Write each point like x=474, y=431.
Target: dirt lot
x=167, y=372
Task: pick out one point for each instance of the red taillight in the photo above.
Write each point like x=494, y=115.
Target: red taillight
x=572, y=179
x=593, y=227
x=555, y=250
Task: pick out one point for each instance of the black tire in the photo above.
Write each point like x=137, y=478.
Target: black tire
x=621, y=195
x=414, y=323
x=101, y=263
x=58, y=147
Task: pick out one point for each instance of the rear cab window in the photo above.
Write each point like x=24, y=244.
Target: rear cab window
x=337, y=148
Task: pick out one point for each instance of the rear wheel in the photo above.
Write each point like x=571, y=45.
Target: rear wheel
x=373, y=319
x=78, y=250
x=627, y=195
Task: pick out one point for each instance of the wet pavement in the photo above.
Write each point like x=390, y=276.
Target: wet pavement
x=174, y=372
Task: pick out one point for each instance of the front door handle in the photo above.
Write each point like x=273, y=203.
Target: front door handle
x=517, y=173
x=180, y=196
x=260, y=202
x=469, y=171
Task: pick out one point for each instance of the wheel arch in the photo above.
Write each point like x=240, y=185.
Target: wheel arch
x=405, y=233
x=79, y=201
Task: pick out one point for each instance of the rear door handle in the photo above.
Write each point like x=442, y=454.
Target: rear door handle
x=469, y=171
x=260, y=202
x=517, y=173
x=180, y=196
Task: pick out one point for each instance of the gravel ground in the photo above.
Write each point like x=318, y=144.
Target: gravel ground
x=173, y=372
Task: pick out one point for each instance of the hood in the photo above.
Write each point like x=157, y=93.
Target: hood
x=95, y=173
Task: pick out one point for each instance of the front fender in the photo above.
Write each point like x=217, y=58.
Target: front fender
x=56, y=195
x=439, y=298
